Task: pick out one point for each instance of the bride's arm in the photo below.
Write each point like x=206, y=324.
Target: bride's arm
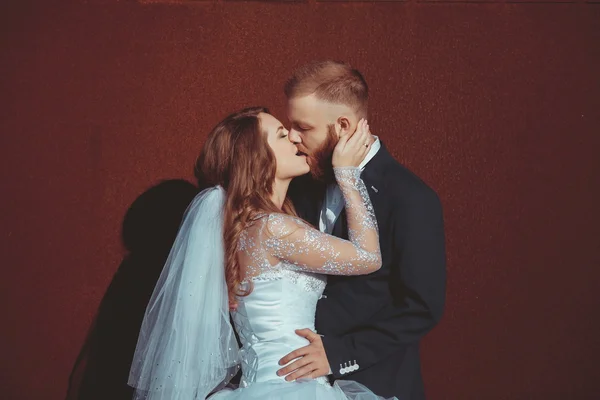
x=291, y=239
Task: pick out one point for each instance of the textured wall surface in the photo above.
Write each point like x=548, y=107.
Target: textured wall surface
x=495, y=105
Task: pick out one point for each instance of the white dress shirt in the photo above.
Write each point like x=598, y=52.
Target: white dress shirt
x=333, y=204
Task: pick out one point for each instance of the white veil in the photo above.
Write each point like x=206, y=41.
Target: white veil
x=186, y=347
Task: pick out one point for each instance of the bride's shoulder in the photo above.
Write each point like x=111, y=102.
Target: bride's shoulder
x=279, y=225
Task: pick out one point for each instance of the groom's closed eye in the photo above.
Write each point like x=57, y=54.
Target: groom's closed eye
x=301, y=128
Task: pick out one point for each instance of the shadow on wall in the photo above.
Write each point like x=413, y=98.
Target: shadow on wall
x=149, y=230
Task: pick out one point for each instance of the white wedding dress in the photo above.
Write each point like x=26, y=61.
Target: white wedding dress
x=286, y=261
x=186, y=348
x=282, y=301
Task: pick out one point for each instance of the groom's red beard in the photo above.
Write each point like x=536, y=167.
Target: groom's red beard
x=320, y=159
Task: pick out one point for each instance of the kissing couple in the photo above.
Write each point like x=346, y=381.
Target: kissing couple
x=311, y=242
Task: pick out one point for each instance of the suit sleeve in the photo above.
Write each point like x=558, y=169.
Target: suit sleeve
x=418, y=283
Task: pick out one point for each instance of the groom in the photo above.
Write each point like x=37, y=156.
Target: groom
x=369, y=326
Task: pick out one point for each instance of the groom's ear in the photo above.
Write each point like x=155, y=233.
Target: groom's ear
x=342, y=126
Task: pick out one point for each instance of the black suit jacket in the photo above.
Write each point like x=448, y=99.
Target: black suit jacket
x=376, y=321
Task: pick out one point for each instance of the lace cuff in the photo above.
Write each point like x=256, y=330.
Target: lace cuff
x=358, y=204
x=347, y=175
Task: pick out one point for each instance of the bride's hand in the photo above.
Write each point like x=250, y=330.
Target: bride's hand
x=352, y=148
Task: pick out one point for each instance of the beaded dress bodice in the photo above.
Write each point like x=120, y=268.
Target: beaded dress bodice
x=285, y=262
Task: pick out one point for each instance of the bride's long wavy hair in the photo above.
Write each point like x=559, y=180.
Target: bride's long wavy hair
x=237, y=157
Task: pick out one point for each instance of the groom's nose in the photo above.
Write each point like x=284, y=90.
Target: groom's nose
x=294, y=136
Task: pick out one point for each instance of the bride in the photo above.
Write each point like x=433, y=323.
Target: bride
x=241, y=243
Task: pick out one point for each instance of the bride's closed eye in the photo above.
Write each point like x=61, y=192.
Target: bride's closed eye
x=282, y=132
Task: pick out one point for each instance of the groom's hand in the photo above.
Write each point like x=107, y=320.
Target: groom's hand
x=311, y=360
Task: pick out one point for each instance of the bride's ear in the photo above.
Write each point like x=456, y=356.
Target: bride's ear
x=342, y=126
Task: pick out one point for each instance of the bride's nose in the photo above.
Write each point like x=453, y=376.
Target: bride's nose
x=294, y=137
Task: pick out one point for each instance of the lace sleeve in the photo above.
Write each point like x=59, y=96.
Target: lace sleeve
x=292, y=240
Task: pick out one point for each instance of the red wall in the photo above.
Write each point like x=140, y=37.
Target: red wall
x=495, y=105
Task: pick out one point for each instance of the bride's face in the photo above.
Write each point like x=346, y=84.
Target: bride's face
x=290, y=164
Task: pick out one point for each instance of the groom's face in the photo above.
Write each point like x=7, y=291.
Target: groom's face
x=313, y=129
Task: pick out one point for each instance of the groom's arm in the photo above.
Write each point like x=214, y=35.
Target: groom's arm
x=418, y=273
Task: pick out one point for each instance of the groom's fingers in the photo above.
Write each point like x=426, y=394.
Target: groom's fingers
x=295, y=365
x=307, y=334
x=314, y=374
x=295, y=354
x=310, y=375
x=306, y=370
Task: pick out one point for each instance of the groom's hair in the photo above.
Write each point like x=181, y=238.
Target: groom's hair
x=332, y=81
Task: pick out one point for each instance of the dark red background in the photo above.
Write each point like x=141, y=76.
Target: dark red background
x=495, y=105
